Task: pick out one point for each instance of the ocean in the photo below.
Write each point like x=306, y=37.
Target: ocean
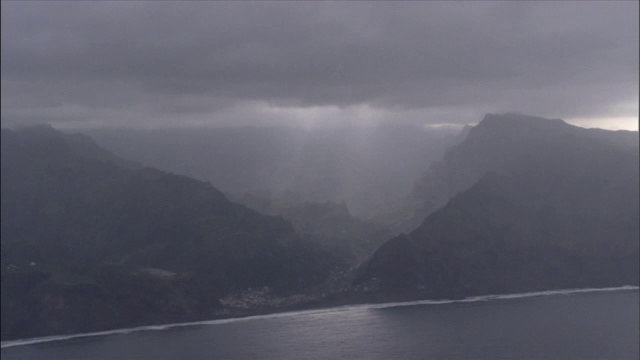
x=564, y=324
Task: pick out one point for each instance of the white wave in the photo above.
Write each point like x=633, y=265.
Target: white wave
x=30, y=341
x=504, y=296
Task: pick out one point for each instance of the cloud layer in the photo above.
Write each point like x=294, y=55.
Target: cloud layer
x=173, y=64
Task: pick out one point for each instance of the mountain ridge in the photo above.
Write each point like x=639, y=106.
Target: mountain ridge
x=88, y=244
x=564, y=215
x=496, y=144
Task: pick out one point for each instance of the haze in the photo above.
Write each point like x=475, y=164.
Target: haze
x=169, y=164
x=311, y=64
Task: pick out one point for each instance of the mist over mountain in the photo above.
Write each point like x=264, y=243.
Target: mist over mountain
x=366, y=167
x=327, y=224
x=504, y=144
x=318, y=180
x=91, y=241
x=522, y=204
x=516, y=203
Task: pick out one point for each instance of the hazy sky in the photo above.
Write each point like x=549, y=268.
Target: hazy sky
x=85, y=64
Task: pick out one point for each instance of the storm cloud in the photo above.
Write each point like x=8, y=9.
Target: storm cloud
x=228, y=63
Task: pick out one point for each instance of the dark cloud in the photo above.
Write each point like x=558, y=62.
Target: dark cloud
x=164, y=62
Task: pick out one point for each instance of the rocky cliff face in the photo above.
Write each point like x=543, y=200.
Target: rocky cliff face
x=525, y=204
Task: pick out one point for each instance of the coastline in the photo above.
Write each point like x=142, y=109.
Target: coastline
x=313, y=308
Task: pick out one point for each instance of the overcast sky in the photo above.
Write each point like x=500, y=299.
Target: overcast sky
x=86, y=64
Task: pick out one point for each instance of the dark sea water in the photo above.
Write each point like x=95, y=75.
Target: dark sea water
x=549, y=325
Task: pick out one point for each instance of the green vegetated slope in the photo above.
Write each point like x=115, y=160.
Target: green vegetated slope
x=90, y=241
x=527, y=204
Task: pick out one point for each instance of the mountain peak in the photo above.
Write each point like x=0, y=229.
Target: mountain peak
x=36, y=130
x=518, y=119
x=52, y=142
x=515, y=125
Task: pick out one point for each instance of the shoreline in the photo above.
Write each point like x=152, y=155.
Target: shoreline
x=312, y=308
